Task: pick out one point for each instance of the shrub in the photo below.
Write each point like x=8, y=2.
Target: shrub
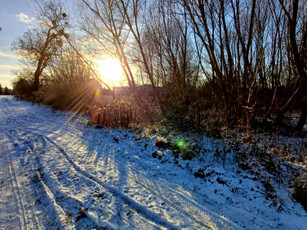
x=71, y=95
x=22, y=87
x=120, y=112
x=300, y=190
x=185, y=146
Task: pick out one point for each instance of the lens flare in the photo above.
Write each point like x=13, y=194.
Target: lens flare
x=180, y=144
x=97, y=94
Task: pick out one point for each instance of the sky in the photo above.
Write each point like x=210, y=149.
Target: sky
x=15, y=18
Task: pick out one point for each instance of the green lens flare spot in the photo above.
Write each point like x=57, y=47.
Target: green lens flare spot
x=180, y=144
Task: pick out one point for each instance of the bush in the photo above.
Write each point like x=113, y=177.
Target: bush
x=119, y=113
x=22, y=87
x=300, y=190
x=185, y=146
x=71, y=95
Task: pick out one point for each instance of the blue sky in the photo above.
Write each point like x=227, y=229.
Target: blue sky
x=15, y=19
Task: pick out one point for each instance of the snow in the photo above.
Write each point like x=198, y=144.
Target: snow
x=57, y=173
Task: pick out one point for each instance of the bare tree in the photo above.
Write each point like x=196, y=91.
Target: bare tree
x=105, y=26
x=72, y=82
x=39, y=44
x=245, y=49
x=297, y=31
x=225, y=38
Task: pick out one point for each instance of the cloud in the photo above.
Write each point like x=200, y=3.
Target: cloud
x=6, y=80
x=9, y=55
x=10, y=67
x=6, y=77
x=24, y=18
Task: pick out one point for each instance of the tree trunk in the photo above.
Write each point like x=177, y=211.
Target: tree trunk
x=35, y=85
x=38, y=72
x=302, y=120
x=286, y=107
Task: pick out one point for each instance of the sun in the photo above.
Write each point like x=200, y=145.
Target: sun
x=111, y=71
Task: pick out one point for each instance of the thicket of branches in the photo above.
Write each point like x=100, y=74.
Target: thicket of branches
x=233, y=62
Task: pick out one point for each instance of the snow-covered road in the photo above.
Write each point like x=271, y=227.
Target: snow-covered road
x=57, y=173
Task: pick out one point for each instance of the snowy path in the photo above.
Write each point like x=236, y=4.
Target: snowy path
x=57, y=173
x=54, y=175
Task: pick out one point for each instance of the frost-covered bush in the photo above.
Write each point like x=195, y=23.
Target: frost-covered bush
x=184, y=146
x=187, y=148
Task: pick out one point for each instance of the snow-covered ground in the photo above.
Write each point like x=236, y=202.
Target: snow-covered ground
x=57, y=173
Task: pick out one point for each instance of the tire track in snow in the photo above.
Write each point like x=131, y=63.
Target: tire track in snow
x=7, y=183
x=188, y=201
x=29, y=217
x=60, y=213
x=178, y=199
x=15, y=134
x=148, y=214
x=144, y=182
x=27, y=211
x=52, y=197
x=191, y=206
x=60, y=193
x=53, y=207
x=18, y=197
x=60, y=216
